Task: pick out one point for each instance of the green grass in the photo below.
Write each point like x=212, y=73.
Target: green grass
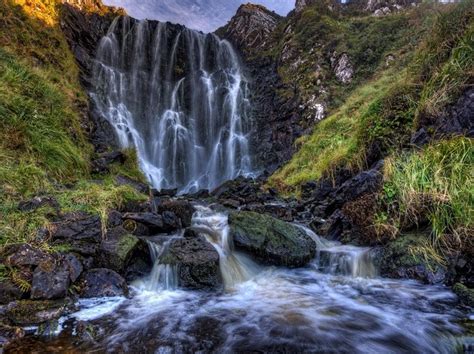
x=384, y=111
x=339, y=140
x=43, y=146
x=438, y=183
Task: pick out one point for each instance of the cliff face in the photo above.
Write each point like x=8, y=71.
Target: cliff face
x=251, y=27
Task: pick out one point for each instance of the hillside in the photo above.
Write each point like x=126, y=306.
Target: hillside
x=262, y=188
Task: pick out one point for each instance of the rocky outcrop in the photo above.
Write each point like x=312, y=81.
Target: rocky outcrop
x=251, y=27
x=270, y=240
x=342, y=67
x=457, y=119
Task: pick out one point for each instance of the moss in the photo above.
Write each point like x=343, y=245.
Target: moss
x=28, y=312
x=466, y=295
x=126, y=245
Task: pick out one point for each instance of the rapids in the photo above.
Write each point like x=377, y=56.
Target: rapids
x=336, y=304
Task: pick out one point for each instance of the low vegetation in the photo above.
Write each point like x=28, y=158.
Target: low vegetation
x=43, y=145
x=431, y=186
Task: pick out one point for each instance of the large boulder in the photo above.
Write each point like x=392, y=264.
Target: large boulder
x=50, y=281
x=270, y=240
x=102, y=282
x=196, y=260
x=146, y=224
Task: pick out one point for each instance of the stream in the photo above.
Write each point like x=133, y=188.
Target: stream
x=336, y=304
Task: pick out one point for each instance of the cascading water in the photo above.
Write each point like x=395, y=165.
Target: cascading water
x=235, y=267
x=179, y=97
x=333, y=305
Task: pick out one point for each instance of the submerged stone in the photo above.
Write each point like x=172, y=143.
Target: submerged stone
x=270, y=240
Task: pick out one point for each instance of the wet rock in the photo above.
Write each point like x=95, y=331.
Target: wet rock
x=465, y=294
x=137, y=185
x=118, y=249
x=77, y=226
x=183, y=209
x=101, y=164
x=9, y=334
x=364, y=183
x=196, y=260
x=38, y=202
x=9, y=292
x=114, y=219
x=24, y=255
x=164, y=193
x=102, y=282
x=270, y=240
x=145, y=223
x=50, y=281
x=171, y=222
x=27, y=312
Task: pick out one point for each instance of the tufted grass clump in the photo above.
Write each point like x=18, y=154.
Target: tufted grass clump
x=436, y=183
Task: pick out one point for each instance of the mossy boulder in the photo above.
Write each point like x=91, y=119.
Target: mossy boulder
x=465, y=294
x=409, y=256
x=119, y=249
x=27, y=312
x=271, y=241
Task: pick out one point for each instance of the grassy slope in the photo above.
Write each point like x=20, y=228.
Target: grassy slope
x=389, y=107
x=43, y=146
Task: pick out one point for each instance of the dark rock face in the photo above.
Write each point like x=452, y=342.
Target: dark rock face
x=251, y=27
x=197, y=262
x=84, y=30
x=9, y=292
x=183, y=209
x=101, y=164
x=81, y=232
x=398, y=260
x=50, y=281
x=103, y=282
x=24, y=255
x=270, y=240
x=38, y=202
x=457, y=119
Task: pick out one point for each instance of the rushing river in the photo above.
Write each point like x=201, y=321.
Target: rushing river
x=336, y=304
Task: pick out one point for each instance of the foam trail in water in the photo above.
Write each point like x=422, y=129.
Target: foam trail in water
x=179, y=97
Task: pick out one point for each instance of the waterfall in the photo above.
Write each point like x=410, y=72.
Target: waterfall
x=235, y=267
x=338, y=259
x=179, y=97
x=162, y=276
